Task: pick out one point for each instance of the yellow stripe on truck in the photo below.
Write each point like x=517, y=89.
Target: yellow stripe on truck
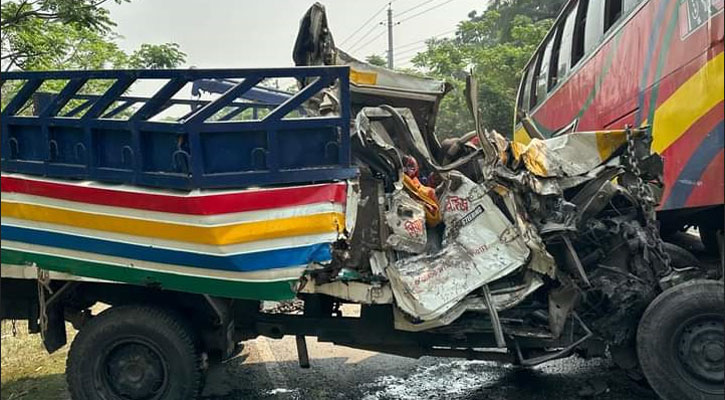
x=215, y=235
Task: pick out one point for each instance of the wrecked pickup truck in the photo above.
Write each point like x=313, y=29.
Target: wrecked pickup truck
x=474, y=247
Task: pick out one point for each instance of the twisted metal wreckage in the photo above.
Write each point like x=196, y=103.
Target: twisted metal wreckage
x=472, y=247
x=540, y=237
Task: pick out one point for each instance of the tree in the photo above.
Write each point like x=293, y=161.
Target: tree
x=33, y=30
x=71, y=34
x=84, y=13
x=496, y=44
x=376, y=59
x=159, y=56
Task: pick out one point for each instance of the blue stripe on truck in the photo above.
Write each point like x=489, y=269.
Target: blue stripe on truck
x=255, y=261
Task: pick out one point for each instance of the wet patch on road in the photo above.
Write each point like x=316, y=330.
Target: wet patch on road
x=469, y=380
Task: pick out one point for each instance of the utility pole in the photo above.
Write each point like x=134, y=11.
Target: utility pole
x=390, y=35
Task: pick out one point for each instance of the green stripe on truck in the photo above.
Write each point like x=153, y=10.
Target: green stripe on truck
x=260, y=290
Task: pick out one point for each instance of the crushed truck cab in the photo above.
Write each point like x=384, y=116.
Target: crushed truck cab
x=337, y=192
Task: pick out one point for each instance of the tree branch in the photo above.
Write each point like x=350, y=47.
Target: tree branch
x=19, y=16
x=20, y=54
x=11, y=64
x=98, y=3
x=76, y=47
x=17, y=13
x=11, y=55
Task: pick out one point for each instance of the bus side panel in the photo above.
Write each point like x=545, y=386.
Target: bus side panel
x=661, y=71
x=594, y=94
x=688, y=133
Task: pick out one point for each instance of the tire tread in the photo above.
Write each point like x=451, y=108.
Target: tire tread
x=157, y=318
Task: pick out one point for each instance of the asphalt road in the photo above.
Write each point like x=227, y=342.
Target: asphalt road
x=268, y=369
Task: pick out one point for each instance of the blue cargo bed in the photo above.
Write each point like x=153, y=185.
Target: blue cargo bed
x=228, y=141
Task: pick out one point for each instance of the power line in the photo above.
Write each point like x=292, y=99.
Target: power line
x=425, y=11
x=405, y=60
x=436, y=36
x=357, y=46
x=368, y=42
x=363, y=37
x=415, y=7
x=414, y=49
x=364, y=24
x=417, y=46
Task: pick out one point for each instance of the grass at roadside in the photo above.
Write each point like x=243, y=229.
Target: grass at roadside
x=28, y=372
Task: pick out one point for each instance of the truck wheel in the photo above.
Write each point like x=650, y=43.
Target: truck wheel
x=680, y=341
x=681, y=258
x=134, y=352
x=710, y=236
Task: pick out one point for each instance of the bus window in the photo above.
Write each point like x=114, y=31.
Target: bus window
x=577, y=48
x=541, y=82
x=522, y=89
x=554, y=64
x=533, y=100
x=594, y=26
x=566, y=44
x=630, y=4
x=527, y=88
x=612, y=13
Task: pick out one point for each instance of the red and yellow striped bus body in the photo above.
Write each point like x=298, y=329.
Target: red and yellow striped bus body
x=657, y=63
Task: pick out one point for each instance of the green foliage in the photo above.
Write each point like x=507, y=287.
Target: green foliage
x=160, y=56
x=81, y=13
x=71, y=34
x=376, y=59
x=35, y=34
x=496, y=45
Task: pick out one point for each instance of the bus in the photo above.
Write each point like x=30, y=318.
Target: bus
x=606, y=64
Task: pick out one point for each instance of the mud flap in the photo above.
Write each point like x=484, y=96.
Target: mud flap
x=55, y=335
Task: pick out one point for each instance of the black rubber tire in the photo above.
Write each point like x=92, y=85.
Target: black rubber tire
x=170, y=338
x=710, y=237
x=659, y=335
x=680, y=257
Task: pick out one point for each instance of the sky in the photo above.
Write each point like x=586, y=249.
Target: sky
x=259, y=33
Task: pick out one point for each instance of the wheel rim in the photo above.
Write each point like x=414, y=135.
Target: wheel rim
x=701, y=353
x=133, y=369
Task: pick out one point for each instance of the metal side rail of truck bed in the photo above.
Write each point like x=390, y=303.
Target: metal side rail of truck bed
x=92, y=128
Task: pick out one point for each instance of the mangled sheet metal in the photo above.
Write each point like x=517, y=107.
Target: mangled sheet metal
x=490, y=235
x=501, y=299
x=371, y=79
x=480, y=245
x=568, y=155
x=316, y=46
x=447, y=235
x=406, y=220
x=370, y=85
x=476, y=224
